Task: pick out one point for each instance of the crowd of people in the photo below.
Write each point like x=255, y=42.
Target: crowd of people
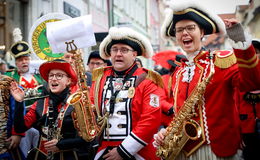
x=146, y=114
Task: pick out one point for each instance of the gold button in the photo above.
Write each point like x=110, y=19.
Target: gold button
x=120, y=126
x=119, y=113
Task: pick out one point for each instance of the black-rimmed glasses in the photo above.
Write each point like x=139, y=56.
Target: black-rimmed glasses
x=58, y=76
x=122, y=50
x=188, y=28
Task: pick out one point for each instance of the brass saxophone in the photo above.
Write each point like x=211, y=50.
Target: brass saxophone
x=85, y=119
x=183, y=127
x=4, y=110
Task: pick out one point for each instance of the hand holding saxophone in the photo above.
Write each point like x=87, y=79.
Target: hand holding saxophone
x=50, y=146
x=159, y=137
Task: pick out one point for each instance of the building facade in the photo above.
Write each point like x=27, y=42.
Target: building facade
x=141, y=15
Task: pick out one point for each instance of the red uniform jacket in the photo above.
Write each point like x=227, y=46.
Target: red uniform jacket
x=167, y=102
x=136, y=117
x=218, y=115
x=246, y=111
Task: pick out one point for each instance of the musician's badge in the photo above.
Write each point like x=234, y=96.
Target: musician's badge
x=131, y=92
x=127, y=84
x=118, y=84
x=154, y=100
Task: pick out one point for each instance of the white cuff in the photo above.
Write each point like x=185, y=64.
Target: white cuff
x=133, y=144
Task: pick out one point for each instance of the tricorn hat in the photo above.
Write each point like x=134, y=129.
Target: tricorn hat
x=126, y=36
x=191, y=10
x=19, y=48
x=58, y=64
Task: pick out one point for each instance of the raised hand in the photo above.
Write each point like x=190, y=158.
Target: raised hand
x=16, y=92
x=230, y=22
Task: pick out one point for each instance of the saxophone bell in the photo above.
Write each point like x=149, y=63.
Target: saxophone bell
x=192, y=129
x=84, y=116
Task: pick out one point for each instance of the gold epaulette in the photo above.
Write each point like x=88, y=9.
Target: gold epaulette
x=224, y=59
x=155, y=77
x=97, y=73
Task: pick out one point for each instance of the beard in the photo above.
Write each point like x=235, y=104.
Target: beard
x=24, y=70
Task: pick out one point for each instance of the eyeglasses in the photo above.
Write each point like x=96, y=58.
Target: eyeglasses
x=122, y=50
x=188, y=28
x=96, y=63
x=58, y=76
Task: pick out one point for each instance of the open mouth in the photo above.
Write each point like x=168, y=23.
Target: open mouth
x=187, y=42
x=54, y=85
x=118, y=60
x=25, y=66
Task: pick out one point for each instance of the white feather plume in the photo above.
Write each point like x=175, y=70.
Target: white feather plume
x=17, y=35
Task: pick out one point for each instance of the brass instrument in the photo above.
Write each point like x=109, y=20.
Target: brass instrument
x=83, y=111
x=33, y=93
x=183, y=127
x=4, y=110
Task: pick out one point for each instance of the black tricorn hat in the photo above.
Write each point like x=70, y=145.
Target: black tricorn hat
x=19, y=49
x=191, y=10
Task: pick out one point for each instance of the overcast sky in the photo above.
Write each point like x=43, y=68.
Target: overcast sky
x=223, y=6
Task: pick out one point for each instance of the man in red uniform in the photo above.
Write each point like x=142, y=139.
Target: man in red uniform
x=214, y=111
x=128, y=96
x=249, y=112
x=166, y=62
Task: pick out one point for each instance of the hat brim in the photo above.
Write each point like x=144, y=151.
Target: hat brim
x=23, y=51
x=46, y=67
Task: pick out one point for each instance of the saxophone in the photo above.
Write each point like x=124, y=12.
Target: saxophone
x=84, y=117
x=183, y=127
x=4, y=110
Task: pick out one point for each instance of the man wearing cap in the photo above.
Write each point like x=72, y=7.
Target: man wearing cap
x=128, y=96
x=213, y=111
x=21, y=52
x=167, y=61
x=95, y=61
x=249, y=113
x=139, y=62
